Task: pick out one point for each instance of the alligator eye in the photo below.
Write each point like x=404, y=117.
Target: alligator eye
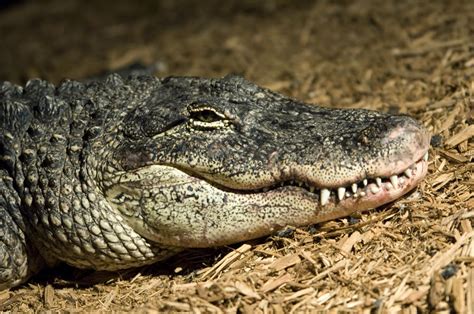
x=206, y=117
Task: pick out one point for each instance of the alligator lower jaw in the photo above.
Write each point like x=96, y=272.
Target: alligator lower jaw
x=360, y=196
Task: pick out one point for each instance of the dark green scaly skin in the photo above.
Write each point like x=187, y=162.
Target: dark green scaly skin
x=117, y=174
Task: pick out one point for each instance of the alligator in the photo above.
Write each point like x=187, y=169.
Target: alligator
x=124, y=172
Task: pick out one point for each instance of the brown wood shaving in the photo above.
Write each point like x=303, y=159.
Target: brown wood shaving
x=274, y=283
x=463, y=135
x=225, y=262
x=285, y=261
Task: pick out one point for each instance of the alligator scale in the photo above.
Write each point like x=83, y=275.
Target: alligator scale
x=122, y=173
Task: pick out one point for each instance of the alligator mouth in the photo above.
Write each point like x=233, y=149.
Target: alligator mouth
x=365, y=194
x=185, y=210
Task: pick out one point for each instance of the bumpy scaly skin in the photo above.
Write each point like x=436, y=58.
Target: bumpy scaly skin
x=117, y=174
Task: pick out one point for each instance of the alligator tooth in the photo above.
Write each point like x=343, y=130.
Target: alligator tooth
x=265, y=189
x=354, y=188
x=311, y=189
x=362, y=193
x=300, y=183
x=394, y=180
x=340, y=193
x=365, y=181
x=378, y=181
x=325, y=196
x=425, y=157
x=401, y=180
x=374, y=189
x=407, y=173
x=348, y=194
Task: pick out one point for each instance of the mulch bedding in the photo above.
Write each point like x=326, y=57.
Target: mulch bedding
x=413, y=57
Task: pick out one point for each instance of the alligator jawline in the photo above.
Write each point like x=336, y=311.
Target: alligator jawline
x=375, y=192
x=383, y=189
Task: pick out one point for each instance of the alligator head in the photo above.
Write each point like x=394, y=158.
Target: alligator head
x=210, y=162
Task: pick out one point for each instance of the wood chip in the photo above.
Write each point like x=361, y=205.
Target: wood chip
x=4, y=296
x=246, y=290
x=178, y=305
x=110, y=297
x=442, y=259
x=441, y=180
x=349, y=242
x=49, y=296
x=449, y=120
x=457, y=295
x=339, y=265
x=401, y=289
x=306, y=255
x=306, y=300
x=437, y=293
x=185, y=286
x=470, y=291
x=369, y=235
x=325, y=297
x=274, y=283
x=285, y=261
x=446, y=102
x=429, y=47
x=225, y=262
x=299, y=294
x=277, y=309
x=416, y=295
x=453, y=156
x=466, y=226
x=461, y=136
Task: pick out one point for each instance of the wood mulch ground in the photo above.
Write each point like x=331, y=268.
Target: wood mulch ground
x=414, y=57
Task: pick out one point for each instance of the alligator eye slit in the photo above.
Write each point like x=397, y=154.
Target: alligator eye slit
x=206, y=115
